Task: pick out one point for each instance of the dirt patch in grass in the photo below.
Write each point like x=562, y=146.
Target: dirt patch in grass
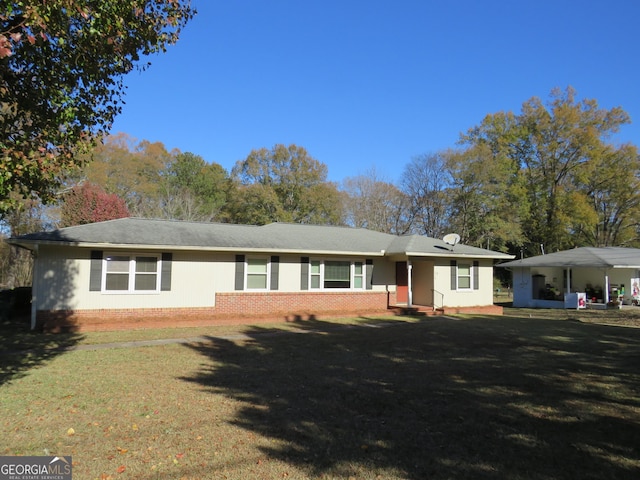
x=436, y=398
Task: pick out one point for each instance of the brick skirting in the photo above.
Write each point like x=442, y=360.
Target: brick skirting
x=478, y=310
x=240, y=308
x=230, y=308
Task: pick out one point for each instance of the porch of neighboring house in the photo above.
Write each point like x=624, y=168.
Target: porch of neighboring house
x=559, y=287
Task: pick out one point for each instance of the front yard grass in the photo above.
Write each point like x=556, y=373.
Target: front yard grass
x=426, y=398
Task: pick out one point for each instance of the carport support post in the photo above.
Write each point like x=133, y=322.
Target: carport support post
x=409, y=287
x=606, y=289
x=568, y=285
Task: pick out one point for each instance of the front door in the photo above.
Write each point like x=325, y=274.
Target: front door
x=402, y=283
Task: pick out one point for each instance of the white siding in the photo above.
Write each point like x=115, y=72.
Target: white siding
x=60, y=273
x=384, y=275
x=63, y=274
x=464, y=298
x=223, y=272
x=290, y=271
x=422, y=283
x=63, y=283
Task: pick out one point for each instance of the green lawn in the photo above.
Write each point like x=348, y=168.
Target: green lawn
x=507, y=397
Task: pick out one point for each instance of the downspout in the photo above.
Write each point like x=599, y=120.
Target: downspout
x=34, y=291
x=568, y=280
x=409, y=286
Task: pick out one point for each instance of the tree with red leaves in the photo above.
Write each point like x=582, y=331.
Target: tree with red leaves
x=89, y=203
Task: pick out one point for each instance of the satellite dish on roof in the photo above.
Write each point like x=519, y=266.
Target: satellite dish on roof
x=451, y=239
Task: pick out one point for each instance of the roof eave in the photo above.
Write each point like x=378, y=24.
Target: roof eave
x=32, y=244
x=458, y=255
x=566, y=265
x=26, y=245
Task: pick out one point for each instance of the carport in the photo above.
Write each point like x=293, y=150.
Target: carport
x=603, y=273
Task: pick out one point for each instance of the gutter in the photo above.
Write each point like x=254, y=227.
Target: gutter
x=458, y=255
x=192, y=248
x=205, y=248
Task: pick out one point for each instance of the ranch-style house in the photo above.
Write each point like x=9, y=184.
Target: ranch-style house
x=133, y=273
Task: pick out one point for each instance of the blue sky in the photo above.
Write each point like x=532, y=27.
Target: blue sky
x=371, y=84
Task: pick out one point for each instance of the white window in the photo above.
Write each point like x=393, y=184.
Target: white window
x=257, y=274
x=358, y=275
x=315, y=274
x=464, y=276
x=131, y=273
x=337, y=274
x=146, y=277
x=329, y=274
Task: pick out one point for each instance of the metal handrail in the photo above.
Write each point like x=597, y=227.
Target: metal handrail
x=435, y=306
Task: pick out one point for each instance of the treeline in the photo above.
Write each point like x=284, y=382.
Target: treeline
x=547, y=177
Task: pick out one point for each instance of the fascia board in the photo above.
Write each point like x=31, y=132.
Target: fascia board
x=458, y=255
x=570, y=265
x=129, y=246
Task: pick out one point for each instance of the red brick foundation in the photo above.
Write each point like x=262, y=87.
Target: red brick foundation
x=478, y=310
x=231, y=308
x=242, y=308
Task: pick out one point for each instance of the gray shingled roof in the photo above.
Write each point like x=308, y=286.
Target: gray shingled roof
x=282, y=237
x=418, y=245
x=604, y=257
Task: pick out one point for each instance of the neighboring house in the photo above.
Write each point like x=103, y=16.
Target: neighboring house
x=136, y=271
x=604, y=274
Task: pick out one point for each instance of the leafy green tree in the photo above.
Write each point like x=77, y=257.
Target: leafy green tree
x=550, y=145
x=608, y=210
x=62, y=64
x=483, y=198
x=194, y=189
x=283, y=184
x=255, y=204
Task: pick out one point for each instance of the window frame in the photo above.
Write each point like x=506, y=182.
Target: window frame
x=267, y=274
x=470, y=266
x=131, y=273
x=362, y=275
x=352, y=274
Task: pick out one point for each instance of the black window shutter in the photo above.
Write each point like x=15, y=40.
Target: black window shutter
x=304, y=273
x=454, y=275
x=369, y=273
x=165, y=274
x=476, y=275
x=95, y=276
x=275, y=270
x=239, y=272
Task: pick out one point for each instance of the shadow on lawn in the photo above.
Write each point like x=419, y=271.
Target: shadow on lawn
x=484, y=398
x=22, y=348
